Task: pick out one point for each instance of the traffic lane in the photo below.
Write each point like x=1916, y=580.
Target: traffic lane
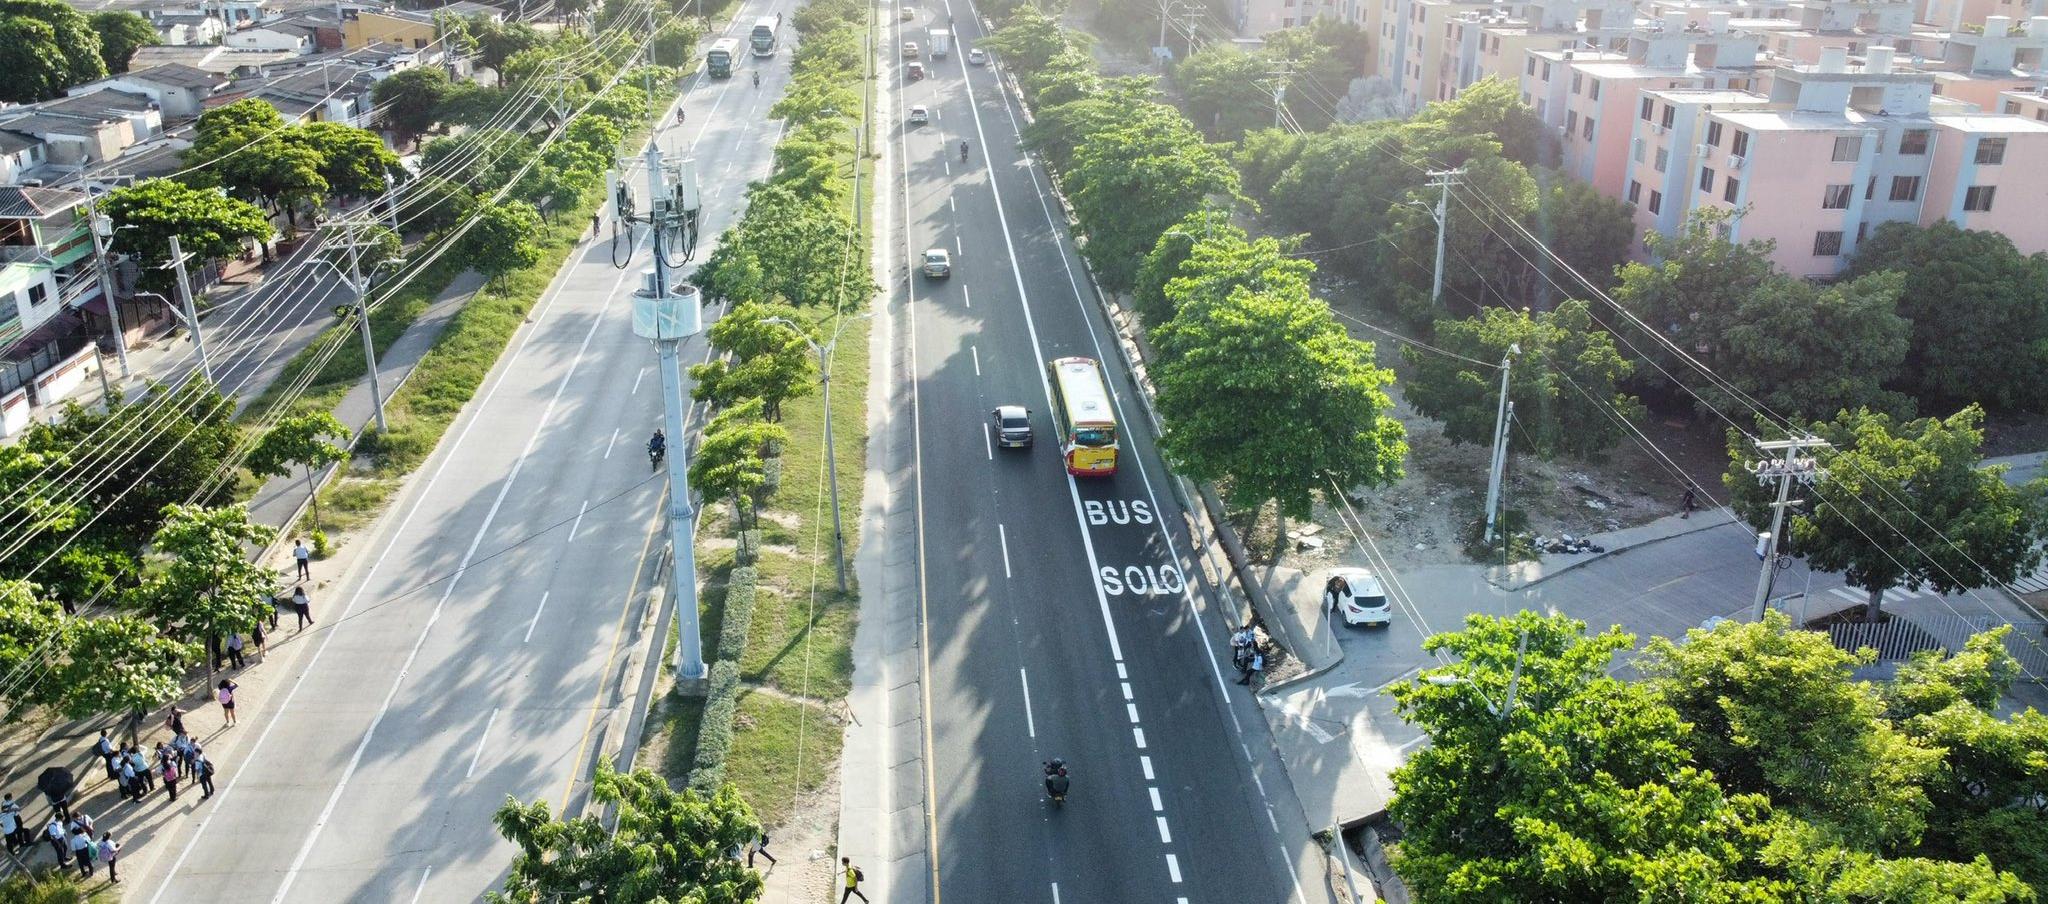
x=984, y=650
x=388, y=610
x=499, y=706
x=1215, y=748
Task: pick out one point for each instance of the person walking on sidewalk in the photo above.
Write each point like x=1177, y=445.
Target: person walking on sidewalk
x=202, y=768
x=760, y=847
x=304, y=558
x=1690, y=502
x=854, y=877
x=302, y=607
x=171, y=779
x=235, y=652
x=110, y=853
x=226, y=694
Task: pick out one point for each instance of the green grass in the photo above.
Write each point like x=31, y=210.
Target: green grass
x=58, y=886
x=785, y=622
x=764, y=761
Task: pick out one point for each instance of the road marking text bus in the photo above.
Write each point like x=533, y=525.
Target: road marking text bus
x=763, y=35
x=719, y=58
x=1083, y=421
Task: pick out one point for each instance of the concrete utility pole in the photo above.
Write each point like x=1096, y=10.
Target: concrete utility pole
x=183, y=291
x=1444, y=179
x=1280, y=91
x=824, y=354
x=102, y=229
x=668, y=314
x=1792, y=467
x=361, y=288
x=1502, y=417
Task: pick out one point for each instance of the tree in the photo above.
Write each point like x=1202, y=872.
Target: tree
x=1773, y=711
x=313, y=440
x=47, y=47
x=353, y=162
x=1546, y=779
x=1590, y=231
x=1565, y=381
x=767, y=361
x=120, y=34
x=502, y=239
x=411, y=100
x=1808, y=351
x=31, y=647
x=1266, y=391
x=1907, y=505
x=246, y=148
x=1164, y=262
x=200, y=583
x=1692, y=294
x=1493, y=107
x=192, y=433
x=470, y=104
x=498, y=41
x=1134, y=180
x=1486, y=261
x=1219, y=263
x=434, y=204
x=1979, y=310
x=729, y=459
x=121, y=664
x=208, y=226
x=670, y=846
x=1226, y=90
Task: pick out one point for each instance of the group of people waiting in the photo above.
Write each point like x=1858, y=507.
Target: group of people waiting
x=69, y=834
x=1246, y=654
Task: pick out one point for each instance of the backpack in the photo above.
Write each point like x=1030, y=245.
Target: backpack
x=859, y=876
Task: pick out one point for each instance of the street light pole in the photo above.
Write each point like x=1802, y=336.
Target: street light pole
x=824, y=354
x=362, y=311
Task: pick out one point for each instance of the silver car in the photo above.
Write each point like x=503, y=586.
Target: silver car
x=1012, y=426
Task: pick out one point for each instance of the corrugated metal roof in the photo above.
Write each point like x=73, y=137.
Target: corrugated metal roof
x=18, y=202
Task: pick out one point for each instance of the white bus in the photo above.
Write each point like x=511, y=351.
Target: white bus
x=763, y=35
x=719, y=58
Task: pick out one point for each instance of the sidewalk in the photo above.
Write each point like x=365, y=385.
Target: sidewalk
x=1336, y=729
x=28, y=749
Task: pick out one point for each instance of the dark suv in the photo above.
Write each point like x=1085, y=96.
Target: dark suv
x=1012, y=425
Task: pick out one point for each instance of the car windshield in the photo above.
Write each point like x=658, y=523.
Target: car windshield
x=1095, y=436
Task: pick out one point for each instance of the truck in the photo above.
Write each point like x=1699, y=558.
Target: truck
x=942, y=42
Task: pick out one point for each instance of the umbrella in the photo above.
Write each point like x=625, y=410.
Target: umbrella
x=57, y=782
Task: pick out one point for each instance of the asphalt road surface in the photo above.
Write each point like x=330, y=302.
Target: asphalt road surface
x=461, y=659
x=1063, y=616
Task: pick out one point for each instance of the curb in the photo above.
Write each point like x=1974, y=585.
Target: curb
x=1493, y=574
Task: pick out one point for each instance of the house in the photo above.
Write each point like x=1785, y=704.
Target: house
x=405, y=28
x=220, y=60
x=180, y=91
x=289, y=36
x=186, y=29
x=46, y=275
x=335, y=92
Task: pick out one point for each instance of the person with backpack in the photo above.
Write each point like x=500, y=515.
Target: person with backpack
x=171, y=778
x=203, y=768
x=854, y=877
x=110, y=851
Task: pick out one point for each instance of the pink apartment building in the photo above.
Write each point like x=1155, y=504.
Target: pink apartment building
x=1830, y=154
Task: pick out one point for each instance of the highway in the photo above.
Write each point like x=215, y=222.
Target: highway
x=463, y=656
x=1062, y=617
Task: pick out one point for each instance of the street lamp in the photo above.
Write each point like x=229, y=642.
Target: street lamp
x=1501, y=710
x=357, y=284
x=190, y=319
x=824, y=354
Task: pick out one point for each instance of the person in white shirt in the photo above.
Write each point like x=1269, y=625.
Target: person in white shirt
x=54, y=834
x=110, y=851
x=304, y=558
x=10, y=824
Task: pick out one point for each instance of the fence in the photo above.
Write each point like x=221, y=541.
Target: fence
x=1900, y=638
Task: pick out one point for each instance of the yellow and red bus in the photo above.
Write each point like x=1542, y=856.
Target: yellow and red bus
x=1085, y=423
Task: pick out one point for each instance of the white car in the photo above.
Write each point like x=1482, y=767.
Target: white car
x=976, y=57
x=937, y=263
x=1359, y=598
x=919, y=115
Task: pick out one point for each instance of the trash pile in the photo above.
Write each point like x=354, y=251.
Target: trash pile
x=1566, y=543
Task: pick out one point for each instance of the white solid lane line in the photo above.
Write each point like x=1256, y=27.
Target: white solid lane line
x=965, y=297
x=1030, y=727
x=481, y=740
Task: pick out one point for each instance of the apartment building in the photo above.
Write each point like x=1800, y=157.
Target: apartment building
x=1953, y=15
x=2031, y=103
x=1831, y=152
x=45, y=268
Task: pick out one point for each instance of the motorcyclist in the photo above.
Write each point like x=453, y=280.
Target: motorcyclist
x=657, y=445
x=1056, y=778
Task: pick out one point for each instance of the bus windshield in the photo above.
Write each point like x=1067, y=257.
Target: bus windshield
x=719, y=58
x=763, y=36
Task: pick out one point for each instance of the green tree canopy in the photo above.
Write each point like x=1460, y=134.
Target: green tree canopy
x=1267, y=392
x=200, y=583
x=1979, y=312
x=208, y=226
x=47, y=47
x=411, y=100
x=312, y=440
x=502, y=239
x=1905, y=505
x=729, y=462
x=353, y=162
x=136, y=476
x=1174, y=248
x=1133, y=180
x=1565, y=381
x=670, y=846
x=766, y=361
x=121, y=32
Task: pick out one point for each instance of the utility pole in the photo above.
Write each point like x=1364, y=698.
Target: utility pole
x=102, y=229
x=360, y=310
x=184, y=295
x=1444, y=179
x=1793, y=466
x=668, y=314
x=1503, y=415
x=1280, y=91
x=824, y=353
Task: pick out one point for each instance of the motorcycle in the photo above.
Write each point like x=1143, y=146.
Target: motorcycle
x=655, y=456
x=1056, y=782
